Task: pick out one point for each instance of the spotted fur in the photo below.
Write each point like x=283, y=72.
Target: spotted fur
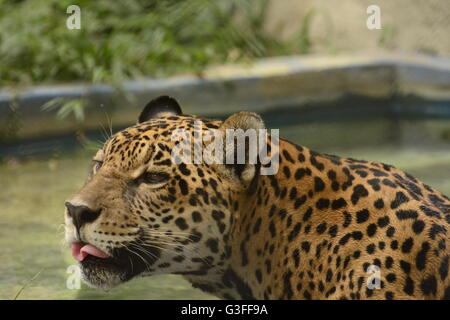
x=309, y=232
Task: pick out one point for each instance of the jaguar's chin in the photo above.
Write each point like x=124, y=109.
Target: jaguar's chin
x=106, y=273
x=103, y=273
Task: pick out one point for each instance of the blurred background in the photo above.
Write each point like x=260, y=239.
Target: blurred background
x=312, y=68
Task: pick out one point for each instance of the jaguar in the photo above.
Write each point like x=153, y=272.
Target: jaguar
x=320, y=227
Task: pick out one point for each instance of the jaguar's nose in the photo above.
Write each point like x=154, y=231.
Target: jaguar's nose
x=81, y=214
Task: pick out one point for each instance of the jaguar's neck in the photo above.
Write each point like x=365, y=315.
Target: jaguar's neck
x=260, y=219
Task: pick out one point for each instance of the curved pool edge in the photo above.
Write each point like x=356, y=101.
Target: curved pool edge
x=259, y=86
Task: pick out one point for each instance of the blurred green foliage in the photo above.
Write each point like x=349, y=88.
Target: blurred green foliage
x=131, y=38
x=10, y=124
x=65, y=107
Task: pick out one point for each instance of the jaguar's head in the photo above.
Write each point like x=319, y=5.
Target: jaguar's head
x=142, y=211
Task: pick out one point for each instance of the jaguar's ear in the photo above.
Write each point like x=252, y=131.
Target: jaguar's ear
x=243, y=120
x=241, y=136
x=161, y=106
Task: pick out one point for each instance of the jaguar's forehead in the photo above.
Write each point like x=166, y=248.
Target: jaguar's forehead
x=137, y=143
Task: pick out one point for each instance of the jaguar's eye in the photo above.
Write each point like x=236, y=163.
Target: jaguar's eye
x=97, y=165
x=154, y=177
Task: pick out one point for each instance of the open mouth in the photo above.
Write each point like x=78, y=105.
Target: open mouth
x=99, y=267
x=80, y=251
x=90, y=256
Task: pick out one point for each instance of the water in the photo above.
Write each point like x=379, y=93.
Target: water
x=32, y=194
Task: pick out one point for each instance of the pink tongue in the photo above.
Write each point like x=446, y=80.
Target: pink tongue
x=80, y=251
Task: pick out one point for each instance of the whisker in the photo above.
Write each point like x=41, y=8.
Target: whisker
x=137, y=254
x=104, y=132
x=143, y=250
x=160, y=248
x=168, y=235
x=190, y=250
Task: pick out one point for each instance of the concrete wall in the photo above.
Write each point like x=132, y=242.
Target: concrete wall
x=340, y=25
x=268, y=83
